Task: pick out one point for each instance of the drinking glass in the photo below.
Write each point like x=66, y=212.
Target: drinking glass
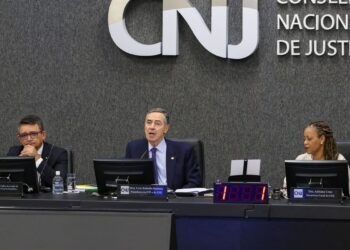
x=71, y=182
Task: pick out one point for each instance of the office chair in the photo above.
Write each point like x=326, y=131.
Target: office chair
x=70, y=158
x=199, y=151
x=344, y=149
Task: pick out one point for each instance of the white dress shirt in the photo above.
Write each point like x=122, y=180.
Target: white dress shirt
x=40, y=160
x=161, y=161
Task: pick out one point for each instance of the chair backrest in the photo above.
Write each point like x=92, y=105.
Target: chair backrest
x=199, y=150
x=344, y=149
x=70, y=158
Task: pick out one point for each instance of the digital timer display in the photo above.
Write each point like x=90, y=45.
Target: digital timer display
x=237, y=192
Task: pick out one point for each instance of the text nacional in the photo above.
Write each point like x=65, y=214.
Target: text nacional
x=327, y=29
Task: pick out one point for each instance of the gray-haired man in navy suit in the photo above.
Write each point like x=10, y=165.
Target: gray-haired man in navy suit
x=176, y=162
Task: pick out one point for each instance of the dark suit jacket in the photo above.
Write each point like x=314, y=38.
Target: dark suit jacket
x=182, y=169
x=54, y=159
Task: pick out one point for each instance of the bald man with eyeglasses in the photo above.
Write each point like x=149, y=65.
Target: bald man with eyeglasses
x=48, y=158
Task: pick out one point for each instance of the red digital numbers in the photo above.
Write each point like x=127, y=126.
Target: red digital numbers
x=219, y=192
x=260, y=193
x=247, y=193
x=234, y=193
x=240, y=192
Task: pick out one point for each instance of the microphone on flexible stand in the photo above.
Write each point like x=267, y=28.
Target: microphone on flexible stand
x=144, y=154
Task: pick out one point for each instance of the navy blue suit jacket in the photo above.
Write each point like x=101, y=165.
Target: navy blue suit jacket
x=182, y=169
x=54, y=159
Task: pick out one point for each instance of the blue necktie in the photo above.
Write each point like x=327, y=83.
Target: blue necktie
x=155, y=166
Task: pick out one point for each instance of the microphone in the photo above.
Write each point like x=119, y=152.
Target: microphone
x=144, y=153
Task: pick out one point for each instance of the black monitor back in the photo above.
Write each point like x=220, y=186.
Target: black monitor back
x=109, y=171
x=20, y=169
x=330, y=174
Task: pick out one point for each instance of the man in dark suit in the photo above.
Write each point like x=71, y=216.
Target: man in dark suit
x=48, y=158
x=175, y=162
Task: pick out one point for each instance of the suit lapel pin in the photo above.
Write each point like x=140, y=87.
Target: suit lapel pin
x=172, y=158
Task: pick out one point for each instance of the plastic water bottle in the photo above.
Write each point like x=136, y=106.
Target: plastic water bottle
x=57, y=184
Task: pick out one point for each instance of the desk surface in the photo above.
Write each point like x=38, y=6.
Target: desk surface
x=181, y=206
x=199, y=223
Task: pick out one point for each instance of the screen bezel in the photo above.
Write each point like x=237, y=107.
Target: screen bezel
x=315, y=169
x=139, y=171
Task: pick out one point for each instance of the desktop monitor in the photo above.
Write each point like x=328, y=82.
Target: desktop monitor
x=327, y=174
x=111, y=172
x=20, y=169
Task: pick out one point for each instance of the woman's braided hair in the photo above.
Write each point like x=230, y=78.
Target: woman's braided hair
x=330, y=150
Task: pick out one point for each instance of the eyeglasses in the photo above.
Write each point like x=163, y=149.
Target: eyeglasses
x=32, y=135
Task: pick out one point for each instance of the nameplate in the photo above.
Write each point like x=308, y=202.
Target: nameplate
x=11, y=189
x=314, y=194
x=143, y=192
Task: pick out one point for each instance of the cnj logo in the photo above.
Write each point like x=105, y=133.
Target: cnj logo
x=215, y=39
x=298, y=193
x=124, y=190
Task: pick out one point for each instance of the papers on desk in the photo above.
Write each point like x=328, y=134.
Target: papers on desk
x=253, y=167
x=192, y=191
x=86, y=188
